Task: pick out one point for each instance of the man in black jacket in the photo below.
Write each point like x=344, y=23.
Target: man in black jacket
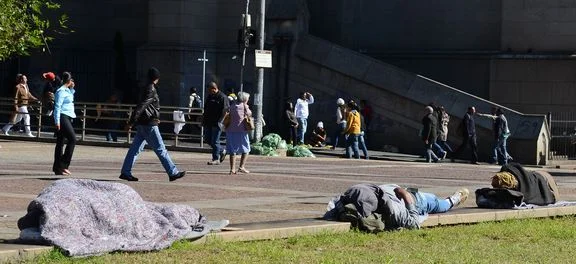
x=146, y=117
x=215, y=108
x=468, y=130
x=429, y=133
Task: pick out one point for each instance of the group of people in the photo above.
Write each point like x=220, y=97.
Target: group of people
x=434, y=134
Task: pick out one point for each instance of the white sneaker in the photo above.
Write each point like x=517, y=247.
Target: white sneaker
x=214, y=162
x=459, y=197
x=29, y=135
x=5, y=132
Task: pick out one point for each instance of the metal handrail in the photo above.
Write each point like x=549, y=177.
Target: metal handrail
x=119, y=113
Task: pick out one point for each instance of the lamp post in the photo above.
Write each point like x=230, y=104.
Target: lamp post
x=245, y=42
x=258, y=101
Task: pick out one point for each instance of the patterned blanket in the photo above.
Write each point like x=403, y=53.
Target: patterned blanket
x=87, y=217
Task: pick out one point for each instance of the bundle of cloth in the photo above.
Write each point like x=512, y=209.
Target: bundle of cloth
x=86, y=217
x=513, y=187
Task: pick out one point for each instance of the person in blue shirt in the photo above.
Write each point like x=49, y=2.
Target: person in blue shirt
x=63, y=117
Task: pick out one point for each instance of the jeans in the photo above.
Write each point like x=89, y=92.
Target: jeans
x=352, y=142
x=362, y=145
x=213, y=136
x=430, y=156
x=338, y=133
x=150, y=135
x=501, y=151
x=62, y=161
x=302, y=126
x=429, y=203
x=444, y=145
x=470, y=141
x=438, y=149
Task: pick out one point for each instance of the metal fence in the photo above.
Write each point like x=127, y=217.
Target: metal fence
x=563, y=136
x=94, y=120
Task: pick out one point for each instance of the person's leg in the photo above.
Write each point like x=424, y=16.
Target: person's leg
x=232, y=163
x=348, y=147
x=26, y=118
x=293, y=136
x=355, y=146
x=336, y=136
x=153, y=137
x=439, y=150
x=474, y=148
x=215, y=134
x=300, y=131
x=435, y=205
x=68, y=132
x=445, y=146
x=362, y=144
x=18, y=117
x=502, y=158
x=243, y=163
x=135, y=148
x=57, y=165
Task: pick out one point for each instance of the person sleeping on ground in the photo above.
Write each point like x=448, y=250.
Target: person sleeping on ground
x=375, y=208
x=513, y=186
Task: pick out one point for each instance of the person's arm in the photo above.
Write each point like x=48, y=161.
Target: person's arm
x=310, y=98
x=412, y=221
x=58, y=101
x=16, y=96
x=493, y=117
x=348, y=123
x=147, y=100
x=190, y=102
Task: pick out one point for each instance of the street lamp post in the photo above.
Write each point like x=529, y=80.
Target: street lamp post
x=258, y=101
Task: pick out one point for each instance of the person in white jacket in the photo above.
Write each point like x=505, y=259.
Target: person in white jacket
x=340, y=122
x=301, y=111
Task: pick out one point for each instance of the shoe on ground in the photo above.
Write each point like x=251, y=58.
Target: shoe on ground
x=29, y=135
x=128, y=177
x=214, y=162
x=177, y=176
x=459, y=197
x=222, y=156
x=444, y=155
x=475, y=163
x=5, y=133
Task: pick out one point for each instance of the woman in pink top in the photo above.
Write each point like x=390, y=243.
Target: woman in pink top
x=237, y=141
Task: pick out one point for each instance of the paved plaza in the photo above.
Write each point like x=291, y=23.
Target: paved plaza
x=278, y=188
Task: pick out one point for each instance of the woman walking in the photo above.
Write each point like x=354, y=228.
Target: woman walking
x=237, y=141
x=21, y=98
x=63, y=117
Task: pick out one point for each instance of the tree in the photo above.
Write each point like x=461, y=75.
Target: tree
x=24, y=26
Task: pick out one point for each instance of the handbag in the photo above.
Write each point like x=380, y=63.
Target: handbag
x=248, y=120
x=226, y=120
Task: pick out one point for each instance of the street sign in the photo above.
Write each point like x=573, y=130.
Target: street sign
x=263, y=58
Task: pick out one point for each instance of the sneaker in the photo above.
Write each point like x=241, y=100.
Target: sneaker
x=128, y=177
x=444, y=155
x=222, y=156
x=5, y=133
x=29, y=135
x=214, y=162
x=177, y=176
x=459, y=197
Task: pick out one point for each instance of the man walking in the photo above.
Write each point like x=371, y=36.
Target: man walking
x=429, y=133
x=469, y=135
x=146, y=116
x=215, y=108
x=301, y=111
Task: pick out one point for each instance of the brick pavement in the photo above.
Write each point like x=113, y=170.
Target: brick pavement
x=279, y=188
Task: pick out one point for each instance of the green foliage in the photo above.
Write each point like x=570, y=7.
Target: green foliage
x=23, y=26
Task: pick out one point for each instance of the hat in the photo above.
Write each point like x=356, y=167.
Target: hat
x=153, y=74
x=320, y=124
x=340, y=101
x=50, y=76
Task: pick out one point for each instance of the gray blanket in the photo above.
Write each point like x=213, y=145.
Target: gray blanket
x=87, y=217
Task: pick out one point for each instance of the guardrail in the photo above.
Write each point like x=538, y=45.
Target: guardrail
x=102, y=118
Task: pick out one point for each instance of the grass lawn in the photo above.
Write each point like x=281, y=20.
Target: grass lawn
x=512, y=241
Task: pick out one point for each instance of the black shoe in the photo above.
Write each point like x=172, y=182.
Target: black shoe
x=128, y=177
x=177, y=176
x=222, y=156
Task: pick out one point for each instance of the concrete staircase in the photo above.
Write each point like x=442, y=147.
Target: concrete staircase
x=398, y=98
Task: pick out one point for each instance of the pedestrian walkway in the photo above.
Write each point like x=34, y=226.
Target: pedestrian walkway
x=281, y=197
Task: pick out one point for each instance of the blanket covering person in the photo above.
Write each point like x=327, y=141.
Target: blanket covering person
x=530, y=187
x=86, y=217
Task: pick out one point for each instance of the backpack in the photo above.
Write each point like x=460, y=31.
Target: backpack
x=197, y=102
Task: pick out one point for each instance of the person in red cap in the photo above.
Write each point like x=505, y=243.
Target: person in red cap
x=52, y=82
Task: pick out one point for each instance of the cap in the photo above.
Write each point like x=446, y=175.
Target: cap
x=49, y=76
x=340, y=101
x=320, y=124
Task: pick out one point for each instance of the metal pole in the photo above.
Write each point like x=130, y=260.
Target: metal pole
x=203, y=94
x=258, y=98
x=246, y=40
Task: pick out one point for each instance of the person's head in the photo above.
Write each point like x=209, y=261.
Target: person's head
x=193, y=90
x=303, y=95
x=499, y=111
x=288, y=106
x=21, y=78
x=340, y=102
x=67, y=79
x=429, y=110
x=320, y=125
x=352, y=105
x=213, y=88
x=243, y=97
x=153, y=75
x=49, y=76
x=471, y=110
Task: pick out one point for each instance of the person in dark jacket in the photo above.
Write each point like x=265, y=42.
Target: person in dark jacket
x=146, y=117
x=215, y=107
x=290, y=123
x=468, y=130
x=429, y=133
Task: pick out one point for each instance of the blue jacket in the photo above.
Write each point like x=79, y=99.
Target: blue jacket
x=64, y=103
